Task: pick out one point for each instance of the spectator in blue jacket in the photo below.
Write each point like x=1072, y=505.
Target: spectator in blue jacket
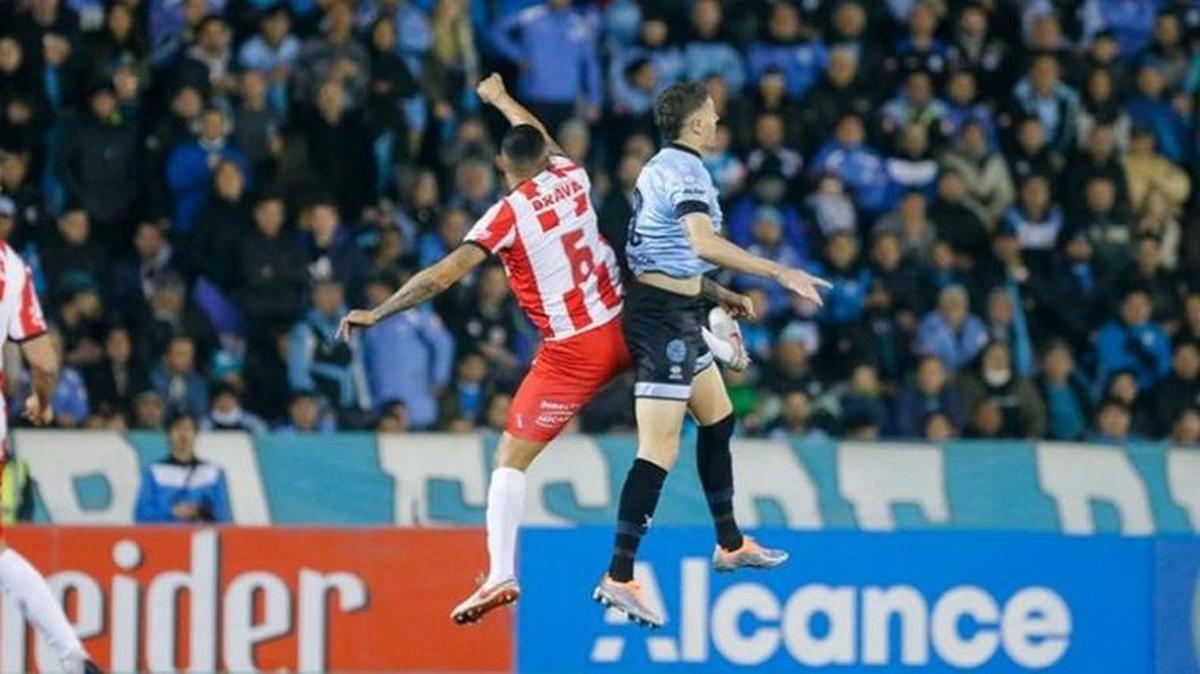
x=633, y=88
x=851, y=278
x=1151, y=108
x=176, y=379
x=409, y=357
x=710, y=53
x=554, y=45
x=1134, y=343
x=181, y=488
x=951, y=332
x=191, y=166
x=785, y=48
x=859, y=166
x=317, y=360
x=1042, y=94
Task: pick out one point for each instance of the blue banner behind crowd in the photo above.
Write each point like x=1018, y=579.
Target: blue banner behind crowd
x=849, y=601
x=93, y=477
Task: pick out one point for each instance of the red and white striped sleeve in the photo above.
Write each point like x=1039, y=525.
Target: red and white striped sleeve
x=27, y=321
x=496, y=229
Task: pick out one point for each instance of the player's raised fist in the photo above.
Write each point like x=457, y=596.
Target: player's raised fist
x=359, y=318
x=491, y=88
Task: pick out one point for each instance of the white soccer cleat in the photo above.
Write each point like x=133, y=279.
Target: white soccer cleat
x=724, y=339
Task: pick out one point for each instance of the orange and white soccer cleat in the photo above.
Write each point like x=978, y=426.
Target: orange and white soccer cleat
x=627, y=598
x=485, y=599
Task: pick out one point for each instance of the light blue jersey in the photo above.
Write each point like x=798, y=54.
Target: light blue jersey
x=673, y=184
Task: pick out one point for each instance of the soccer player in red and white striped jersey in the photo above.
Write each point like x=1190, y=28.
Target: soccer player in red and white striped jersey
x=567, y=280
x=22, y=322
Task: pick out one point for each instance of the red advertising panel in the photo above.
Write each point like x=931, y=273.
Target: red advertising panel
x=249, y=599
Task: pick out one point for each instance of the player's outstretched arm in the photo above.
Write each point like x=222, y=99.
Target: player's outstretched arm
x=711, y=247
x=43, y=366
x=424, y=285
x=491, y=91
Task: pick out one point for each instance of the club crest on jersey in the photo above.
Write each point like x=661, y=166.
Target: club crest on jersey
x=676, y=351
x=564, y=191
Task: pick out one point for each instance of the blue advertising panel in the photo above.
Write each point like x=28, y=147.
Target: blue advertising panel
x=905, y=602
x=1177, y=606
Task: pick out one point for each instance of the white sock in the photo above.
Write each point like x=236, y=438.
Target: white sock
x=24, y=584
x=506, y=502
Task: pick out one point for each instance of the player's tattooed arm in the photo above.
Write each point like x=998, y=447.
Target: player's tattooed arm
x=491, y=90
x=737, y=304
x=424, y=285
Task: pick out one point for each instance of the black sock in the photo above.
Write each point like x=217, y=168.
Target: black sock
x=715, y=466
x=639, y=497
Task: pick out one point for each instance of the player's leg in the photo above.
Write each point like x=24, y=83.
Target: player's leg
x=713, y=411
x=664, y=338
x=506, y=504
x=24, y=584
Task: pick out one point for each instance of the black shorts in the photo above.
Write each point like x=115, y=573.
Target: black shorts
x=662, y=330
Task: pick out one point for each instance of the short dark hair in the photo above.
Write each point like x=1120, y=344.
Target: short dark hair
x=523, y=145
x=675, y=105
x=178, y=416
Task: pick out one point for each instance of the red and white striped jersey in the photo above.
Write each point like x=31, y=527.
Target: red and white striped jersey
x=564, y=274
x=20, y=315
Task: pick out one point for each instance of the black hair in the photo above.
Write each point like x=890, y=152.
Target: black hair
x=178, y=416
x=675, y=105
x=523, y=145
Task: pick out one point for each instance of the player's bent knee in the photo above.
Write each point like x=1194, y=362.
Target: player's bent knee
x=516, y=453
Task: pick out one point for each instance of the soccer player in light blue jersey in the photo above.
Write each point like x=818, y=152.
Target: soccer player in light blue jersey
x=674, y=240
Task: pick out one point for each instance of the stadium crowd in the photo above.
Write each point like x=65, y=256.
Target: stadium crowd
x=1000, y=191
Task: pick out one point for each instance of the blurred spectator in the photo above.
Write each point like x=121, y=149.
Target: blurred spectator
x=844, y=89
x=176, y=380
x=22, y=200
x=1151, y=107
x=305, y=415
x=931, y=393
x=951, y=332
x=149, y=411
x=182, y=488
x=1131, y=22
x=70, y=399
x=983, y=171
x=453, y=63
x=554, y=47
x=768, y=242
x=226, y=413
x=921, y=51
x=1112, y=424
x=857, y=164
x=80, y=321
x=1133, y=343
x=256, y=125
x=1161, y=285
x=709, y=52
x=955, y=222
x=995, y=381
x=1179, y=390
x=321, y=362
x=916, y=106
x=1042, y=94
x=136, y=277
x=191, y=166
x=113, y=382
x=786, y=48
x=830, y=208
x=911, y=167
x=978, y=49
x=336, y=59
x=794, y=419
x=1186, y=431
x=271, y=271
x=393, y=419
x=208, y=62
x=100, y=166
x=171, y=315
x=338, y=150
x=1032, y=152
x=1067, y=396
x=222, y=223
x=273, y=52
x=1097, y=158
x=1146, y=169
x=487, y=321
x=463, y=401
x=332, y=253
x=408, y=357
x=1035, y=220
x=863, y=403
x=1101, y=107
x=1122, y=387
x=72, y=257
